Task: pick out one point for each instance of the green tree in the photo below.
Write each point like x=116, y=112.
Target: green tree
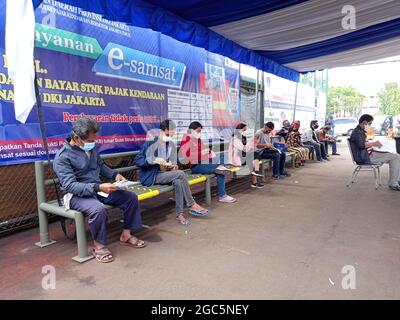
x=389, y=99
x=342, y=100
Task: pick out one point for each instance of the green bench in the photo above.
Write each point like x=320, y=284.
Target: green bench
x=46, y=207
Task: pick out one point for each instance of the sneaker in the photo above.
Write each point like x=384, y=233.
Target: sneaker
x=257, y=185
x=326, y=159
x=286, y=174
x=257, y=174
x=223, y=170
x=278, y=177
x=336, y=154
x=395, y=188
x=227, y=199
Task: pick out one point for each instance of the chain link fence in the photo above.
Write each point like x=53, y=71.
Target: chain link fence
x=18, y=203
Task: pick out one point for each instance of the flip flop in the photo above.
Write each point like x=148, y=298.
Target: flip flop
x=200, y=213
x=138, y=244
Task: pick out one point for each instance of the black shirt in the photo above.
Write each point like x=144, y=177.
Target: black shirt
x=357, y=145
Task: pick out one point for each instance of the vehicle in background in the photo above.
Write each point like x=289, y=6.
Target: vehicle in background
x=382, y=124
x=345, y=126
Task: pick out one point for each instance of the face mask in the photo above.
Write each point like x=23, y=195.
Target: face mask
x=87, y=146
x=287, y=126
x=196, y=135
x=166, y=139
x=368, y=126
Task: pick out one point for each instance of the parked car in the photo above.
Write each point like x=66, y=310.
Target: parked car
x=382, y=124
x=345, y=126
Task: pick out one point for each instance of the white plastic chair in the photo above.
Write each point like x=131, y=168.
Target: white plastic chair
x=364, y=167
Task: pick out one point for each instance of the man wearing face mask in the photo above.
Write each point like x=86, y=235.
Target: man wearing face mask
x=157, y=161
x=78, y=167
x=266, y=150
x=284, y=130
x=363, y=154
x=309, y=138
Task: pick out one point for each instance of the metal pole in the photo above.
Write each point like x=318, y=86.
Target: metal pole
x=295, y=102
x=258, y=120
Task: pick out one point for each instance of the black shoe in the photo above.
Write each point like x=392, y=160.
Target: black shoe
x=257, y=185
x=395, y=188
x=286, y=174
x=336, y=154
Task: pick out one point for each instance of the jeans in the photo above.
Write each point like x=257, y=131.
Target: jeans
x=95, y=209
x=278, y=160
x=334, y=148
x=182, y=188
x=319, y=149
x=208, y=169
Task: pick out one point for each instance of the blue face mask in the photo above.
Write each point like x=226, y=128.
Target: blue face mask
x=87, y=146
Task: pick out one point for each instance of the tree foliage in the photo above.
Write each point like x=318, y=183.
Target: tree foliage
x=345, y=99
x=389, y=99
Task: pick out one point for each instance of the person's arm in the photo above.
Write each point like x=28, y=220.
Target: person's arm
x=141, y=159
x=65, y=173
x=105, y=170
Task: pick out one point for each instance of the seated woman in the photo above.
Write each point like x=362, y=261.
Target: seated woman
x=199, y=157
x=240, y=149
x=294, y=144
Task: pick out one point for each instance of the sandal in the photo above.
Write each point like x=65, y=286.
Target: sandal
x=200, y=213
x=103, y=255
x=137, y=244
x=185, y=223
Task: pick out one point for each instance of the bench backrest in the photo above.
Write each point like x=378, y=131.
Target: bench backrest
x=42, y=182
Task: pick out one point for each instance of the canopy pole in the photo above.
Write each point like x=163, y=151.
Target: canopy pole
x=295, y=102
x=258, y=120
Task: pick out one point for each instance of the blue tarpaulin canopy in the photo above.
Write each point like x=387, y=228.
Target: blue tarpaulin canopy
x=283, y=37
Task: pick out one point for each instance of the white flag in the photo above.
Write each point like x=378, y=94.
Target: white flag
x=20, y=32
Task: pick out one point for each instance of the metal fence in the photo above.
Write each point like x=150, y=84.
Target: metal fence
x=18, y=206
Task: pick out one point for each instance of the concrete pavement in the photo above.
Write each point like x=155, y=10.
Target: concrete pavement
x=289, y=240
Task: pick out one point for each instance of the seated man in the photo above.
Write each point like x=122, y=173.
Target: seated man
x=364, y=155
x=309, y=138
x=322, y=136
x=284, y=132
x=266, y=150
x=157, y=161
x=78, y=167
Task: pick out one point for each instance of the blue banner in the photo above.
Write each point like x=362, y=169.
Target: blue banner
x=127, y=78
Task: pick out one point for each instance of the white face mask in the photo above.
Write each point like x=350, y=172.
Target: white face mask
x=368, y=126
x=166, y=138
x=196, y=135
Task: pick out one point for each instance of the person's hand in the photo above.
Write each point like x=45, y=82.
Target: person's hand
x=174, y=167
x=377, y=144
x=108, y=187
x=119, y=177
x=269, y=145
x=160, y=161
